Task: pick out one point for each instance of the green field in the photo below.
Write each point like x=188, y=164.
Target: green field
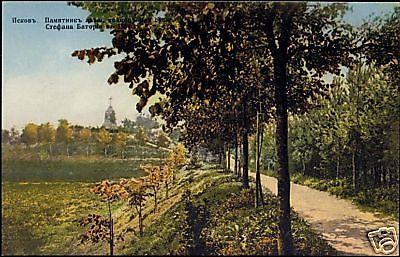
x=41, y=201
x=70, y=170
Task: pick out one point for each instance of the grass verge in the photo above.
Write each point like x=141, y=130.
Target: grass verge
x=217, y=217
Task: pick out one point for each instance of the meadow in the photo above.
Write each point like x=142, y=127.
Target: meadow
x=42, y=200
x=70, y=170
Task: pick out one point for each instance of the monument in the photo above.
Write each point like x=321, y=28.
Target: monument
x=109, y=117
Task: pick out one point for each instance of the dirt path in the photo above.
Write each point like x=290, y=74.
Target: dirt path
x=340, y=222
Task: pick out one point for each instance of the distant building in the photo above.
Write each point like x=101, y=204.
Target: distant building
x=109, y=117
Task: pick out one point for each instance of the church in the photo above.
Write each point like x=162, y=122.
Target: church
x=109, y=117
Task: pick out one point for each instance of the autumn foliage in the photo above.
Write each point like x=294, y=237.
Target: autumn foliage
x=133, y=191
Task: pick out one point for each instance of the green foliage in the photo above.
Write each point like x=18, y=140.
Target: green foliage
x=141, y=136
x=322, y=142
x=104, y=138
x=46, y=133
x=30, y=134
x=382, y=34
x=119, y=141
x=238, y=227
x=163, y=140
x=129, y=126
x=64, y=132
x=384, y=199
x=146, y=122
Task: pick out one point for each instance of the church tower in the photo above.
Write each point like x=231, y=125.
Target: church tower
x=109, y=117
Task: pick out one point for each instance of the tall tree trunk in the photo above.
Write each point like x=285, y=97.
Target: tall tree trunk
x=236, y=156
x=376, y=176
x=166, y=188
x=285, y=242
x=87, y=150
x=111, y=231
x=229, y=159
x=380, y=171
x=338, y=166
x=245, y=172
x=364, y=174
x=140, y=221
x=224, y=156
x=356, y=167
x=384, y=174
x=155, y=200
x=220, y=155
x=259, y=196
x=259, y=154
x=258, y=176
x=240, y=159
x=397, y=164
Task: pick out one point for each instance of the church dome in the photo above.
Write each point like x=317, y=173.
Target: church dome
x=110, y=109
x=109, y=117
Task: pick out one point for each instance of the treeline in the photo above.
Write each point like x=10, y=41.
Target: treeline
x=353, y=134
x=67, y=139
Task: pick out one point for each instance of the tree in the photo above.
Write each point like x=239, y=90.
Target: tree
x=104, y=138
x=85, y=135
x=259, y=199
x=167, y=175
x=323, y=144
x=153, y=181
x=146, y=122
x=5, y=136
x=47, y=135
x=372, y=108
x=64, y=134
x=129, y=126
x=30, y=134
x=381, y=38
x=163, y=140
x=120, y=140
x=141, y=136
x=136, y=194
x=100, y=228
x=15, y=136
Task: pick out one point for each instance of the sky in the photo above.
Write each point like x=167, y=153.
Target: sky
x=41, y=82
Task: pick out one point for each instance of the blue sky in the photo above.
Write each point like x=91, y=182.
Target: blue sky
x=42, y=82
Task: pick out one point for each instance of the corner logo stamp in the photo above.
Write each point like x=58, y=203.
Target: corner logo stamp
x=384, y=240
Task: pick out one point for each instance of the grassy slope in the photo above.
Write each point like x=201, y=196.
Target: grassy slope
x=234, y=226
